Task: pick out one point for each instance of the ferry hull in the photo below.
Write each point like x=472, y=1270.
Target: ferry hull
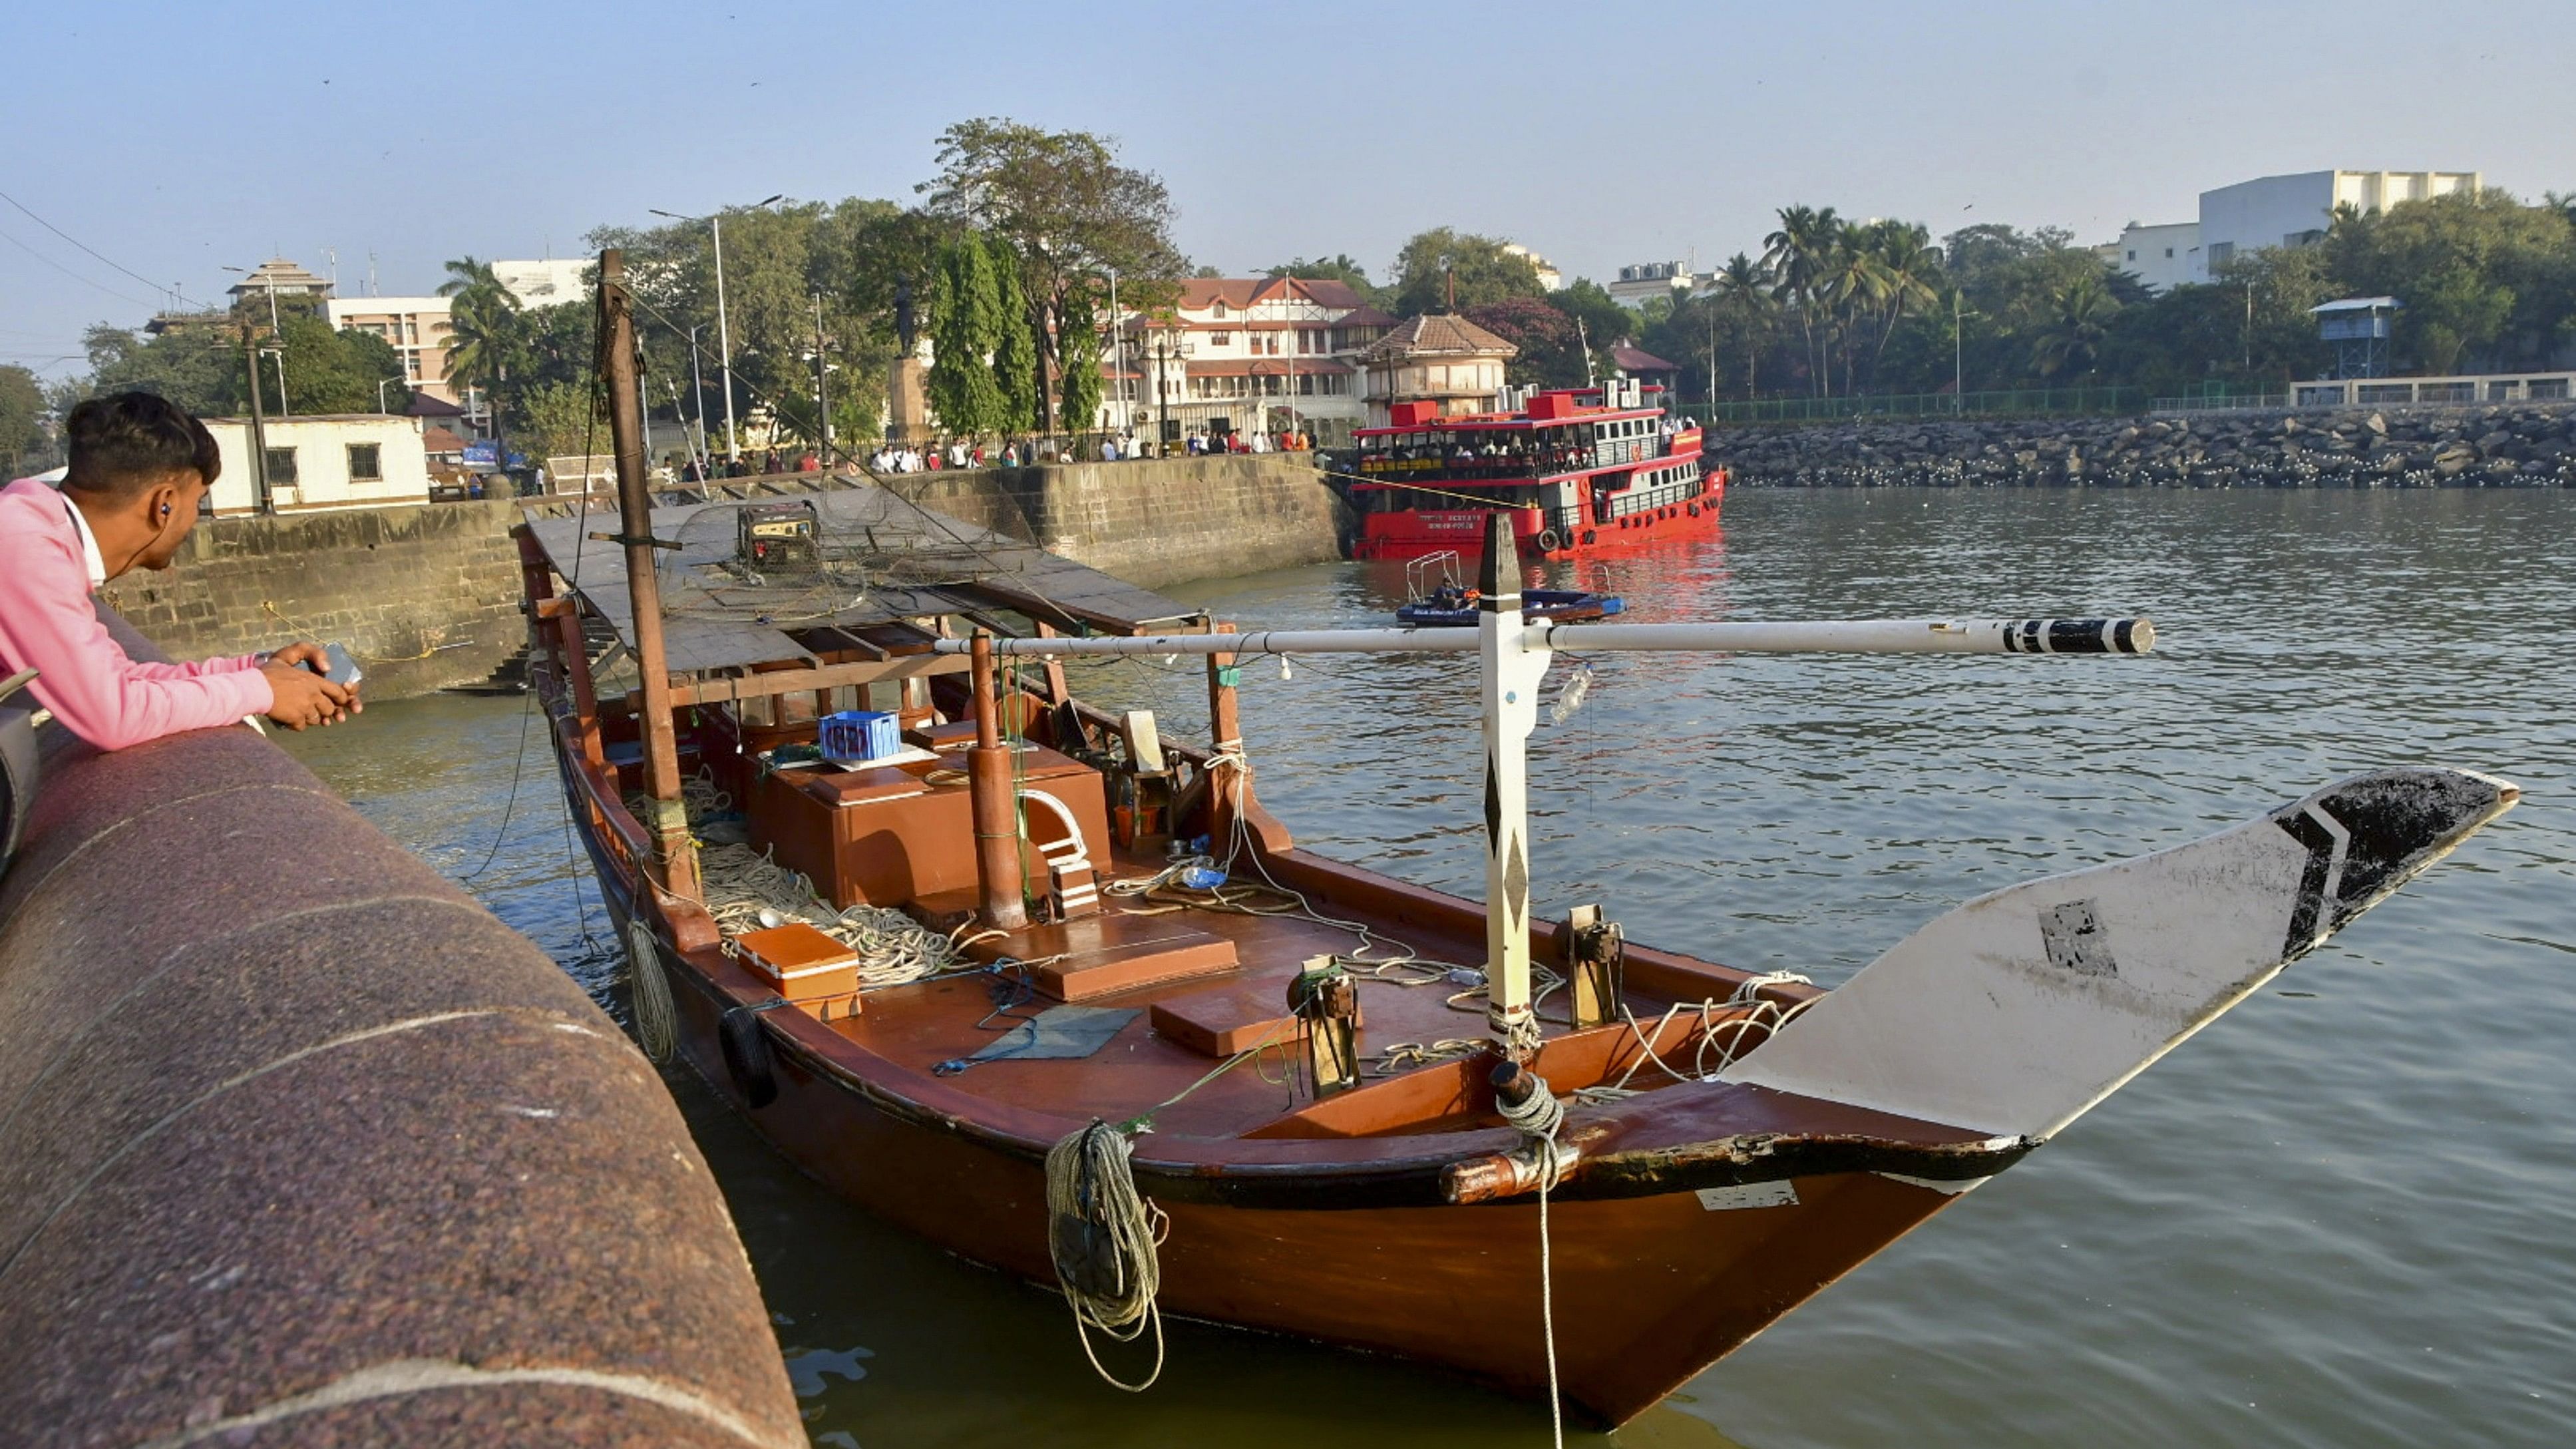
x=1423, y=532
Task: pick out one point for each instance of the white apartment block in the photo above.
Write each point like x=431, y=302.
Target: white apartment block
x=418, y=329
x=2163, y=256
x=2269, y=211
x=1640, y=281
x=1251, y=354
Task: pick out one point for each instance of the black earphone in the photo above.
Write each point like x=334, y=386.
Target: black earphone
x=165, y=510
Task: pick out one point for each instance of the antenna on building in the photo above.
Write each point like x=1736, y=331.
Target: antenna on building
x=371, y=276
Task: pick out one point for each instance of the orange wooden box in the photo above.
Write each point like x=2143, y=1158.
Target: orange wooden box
x=813, y=971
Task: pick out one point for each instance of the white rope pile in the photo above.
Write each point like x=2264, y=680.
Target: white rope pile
x=1741, y=1034
x=1102, y=1235
x=1537, y=1118
x=746, y=890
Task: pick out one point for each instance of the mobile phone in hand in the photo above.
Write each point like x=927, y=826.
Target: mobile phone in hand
x=340, y=668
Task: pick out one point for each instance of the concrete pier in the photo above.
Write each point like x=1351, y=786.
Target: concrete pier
x=299, y=1144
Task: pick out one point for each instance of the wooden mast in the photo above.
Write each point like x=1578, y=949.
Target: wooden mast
x=1512, y=671
x=674, y=852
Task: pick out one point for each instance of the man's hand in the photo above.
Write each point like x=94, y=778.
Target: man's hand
x=304, y=698
x=303, y=652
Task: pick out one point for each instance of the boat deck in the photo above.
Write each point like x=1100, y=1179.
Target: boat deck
x=919, y=1027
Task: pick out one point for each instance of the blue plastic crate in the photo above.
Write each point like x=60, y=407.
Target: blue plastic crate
x=857, y=735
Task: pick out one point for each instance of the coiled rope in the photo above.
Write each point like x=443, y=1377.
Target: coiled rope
x=657, y=1023
x=1537, y=1117
x=1101, y=1234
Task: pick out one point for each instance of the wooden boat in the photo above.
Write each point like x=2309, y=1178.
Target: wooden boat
x=1335, y=1149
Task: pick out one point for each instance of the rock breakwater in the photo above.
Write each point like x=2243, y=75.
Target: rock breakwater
x=2493, y=447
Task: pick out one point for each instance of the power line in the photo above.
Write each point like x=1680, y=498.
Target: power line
x=173, y=289
x=75, y=276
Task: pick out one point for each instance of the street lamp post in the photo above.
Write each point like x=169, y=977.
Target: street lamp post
x=724, y=326
x=380, y=393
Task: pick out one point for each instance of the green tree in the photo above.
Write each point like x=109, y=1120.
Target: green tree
x=199, y=368
x=1905, y=278
x=561, y=420
x=2486, y=281
x=1551, y=353
x=1067, y=206
x=961, y=386
x=23, y=442
x=1600, y=322
x=1745, y=301
x=2069, y=340
x=332, y=371
x=1481, y=270
x=1015, y=347
x=485, y=337
x=1800, y=257
x=1078, y=386
x=1336, y=268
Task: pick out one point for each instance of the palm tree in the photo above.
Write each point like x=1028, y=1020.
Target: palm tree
x=1907, y=271
x=485, y=336
x=1743, y=289
x=2071, y=333
x=1797, y=257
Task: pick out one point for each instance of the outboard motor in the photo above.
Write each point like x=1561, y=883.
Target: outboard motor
x=18, y=721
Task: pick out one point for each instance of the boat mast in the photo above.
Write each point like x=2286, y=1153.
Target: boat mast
x=674, y=852
x=1512, y=671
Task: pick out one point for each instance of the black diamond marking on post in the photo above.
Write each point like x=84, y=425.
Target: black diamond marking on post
x=2299, y=826
x=1493, y=810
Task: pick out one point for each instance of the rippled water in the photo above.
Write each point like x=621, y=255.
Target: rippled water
x=2346, y=1215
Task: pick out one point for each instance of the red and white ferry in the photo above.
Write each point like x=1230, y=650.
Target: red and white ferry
x=1582, y=470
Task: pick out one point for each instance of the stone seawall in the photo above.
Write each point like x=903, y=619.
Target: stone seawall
x=2495, y=447
x=425, y=597
x=300, y=1145
x=1154, y=522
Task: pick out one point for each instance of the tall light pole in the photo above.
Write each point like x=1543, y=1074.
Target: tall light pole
x=380, y=393
x=724, y=327
x=822, y=400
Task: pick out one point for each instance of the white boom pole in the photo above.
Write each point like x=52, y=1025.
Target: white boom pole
x=1515, y=654
x=1843, y=636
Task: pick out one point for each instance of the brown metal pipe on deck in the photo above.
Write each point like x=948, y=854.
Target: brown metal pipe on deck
x=995, y=810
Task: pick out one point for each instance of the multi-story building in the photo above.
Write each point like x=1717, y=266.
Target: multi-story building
x=1250, y=354
x=2269, y=211
x=278, y=277
x=1640, y=281
x=1549, y=278
x=1443, y=359
x=2162, y=256
x=417, y=328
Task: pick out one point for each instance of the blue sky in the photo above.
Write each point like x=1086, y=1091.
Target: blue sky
x=176, y=139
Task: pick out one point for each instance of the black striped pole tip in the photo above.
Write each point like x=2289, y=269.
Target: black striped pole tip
x=2079, y=636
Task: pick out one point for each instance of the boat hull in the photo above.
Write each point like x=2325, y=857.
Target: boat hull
x=1648, y=1291
x=1420, y=533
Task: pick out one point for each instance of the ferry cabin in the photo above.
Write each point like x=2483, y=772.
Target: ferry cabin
x=1582, y=470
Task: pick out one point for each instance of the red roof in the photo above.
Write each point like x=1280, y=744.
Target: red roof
x=1439, y=334
x=1366, y=316
x=1638, y=359
x=1241, y=292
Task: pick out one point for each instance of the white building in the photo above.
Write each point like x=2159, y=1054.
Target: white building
x=416, y=327
x=549, y=283
x=336, y=460
x=1445, y=362
x=1640, y=281
x=1549, y=278
x=2269, y=211
x=1244, y=353
x=2163, y=256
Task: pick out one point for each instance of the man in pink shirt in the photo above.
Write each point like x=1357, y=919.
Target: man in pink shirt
x=139, y=466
